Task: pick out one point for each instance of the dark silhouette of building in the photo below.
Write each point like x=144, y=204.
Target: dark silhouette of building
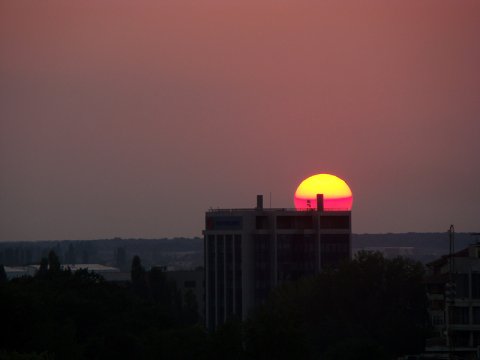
x=453, y=291
x=248, y=252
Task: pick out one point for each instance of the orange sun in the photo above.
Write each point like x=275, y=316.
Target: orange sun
x=337, y=195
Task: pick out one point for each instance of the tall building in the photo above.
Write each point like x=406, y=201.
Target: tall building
x=248, y=252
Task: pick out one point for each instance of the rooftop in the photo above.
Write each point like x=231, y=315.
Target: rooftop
x=305, y=210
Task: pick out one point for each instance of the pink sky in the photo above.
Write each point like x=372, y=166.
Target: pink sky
x=130, y=119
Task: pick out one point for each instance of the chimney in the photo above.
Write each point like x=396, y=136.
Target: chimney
x=320, y=202
x=259, y=201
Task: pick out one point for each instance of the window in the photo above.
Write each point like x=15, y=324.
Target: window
x=461, y=282
x=460, y=338
x=261, y=222
x=476, y=315
x=189, y=284
x=476, y=285
x=437, y=319
x=295, y=222
x=335, y=248
x=334, y=222
x=476, y=338
x=458, y=315
x=284, y=222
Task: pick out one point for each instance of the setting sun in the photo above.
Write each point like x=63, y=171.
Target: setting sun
x=336, y=193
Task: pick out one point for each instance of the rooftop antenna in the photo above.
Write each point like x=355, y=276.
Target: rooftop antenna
x=451, y=237
x=270, y=199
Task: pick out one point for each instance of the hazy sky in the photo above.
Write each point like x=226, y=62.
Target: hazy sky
x=131, y=118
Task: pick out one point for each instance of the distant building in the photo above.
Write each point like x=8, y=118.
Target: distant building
x=453, y=289
x=248, y=252
x=13, y=272
x=107, y=272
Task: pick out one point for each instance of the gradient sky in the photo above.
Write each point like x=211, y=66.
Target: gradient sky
x=131, y=118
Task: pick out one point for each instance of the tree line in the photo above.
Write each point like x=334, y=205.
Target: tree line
x=368, y=308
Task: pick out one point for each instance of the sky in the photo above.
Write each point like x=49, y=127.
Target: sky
x=132, y=118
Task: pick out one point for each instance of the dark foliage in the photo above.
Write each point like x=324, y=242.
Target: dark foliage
x=369, y=308
x=53, y=263
x=42, y=272
x=138, y=276
x=64, y=315
x=13, y=355
x=3, y=275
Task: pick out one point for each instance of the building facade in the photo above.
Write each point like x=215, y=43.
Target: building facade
x=248, y=252
x=453, y=291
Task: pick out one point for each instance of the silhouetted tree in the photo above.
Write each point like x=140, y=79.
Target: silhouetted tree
x=369, y=305
x=227, y=342
x=138, y=277
x=137, y=271
x=3, y=275
x=356, y=349
x=43, y=269
x=190, y=307
x=159, y=286
x=53, y=263
x=80, y=316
